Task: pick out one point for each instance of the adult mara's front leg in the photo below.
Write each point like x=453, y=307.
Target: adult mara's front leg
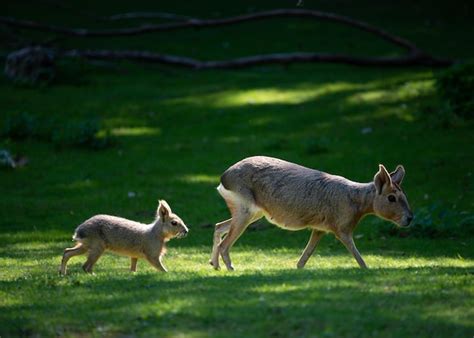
x=155, y=261
x=348, y=242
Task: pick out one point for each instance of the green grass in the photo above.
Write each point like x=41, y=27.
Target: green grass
x=404, y=294
x=178, y=130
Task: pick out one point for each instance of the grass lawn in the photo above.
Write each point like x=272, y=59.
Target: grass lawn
x=177, y=130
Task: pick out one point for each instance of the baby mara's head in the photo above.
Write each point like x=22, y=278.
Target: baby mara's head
x=172, y=225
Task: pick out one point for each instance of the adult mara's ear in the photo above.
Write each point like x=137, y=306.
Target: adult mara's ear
x=398, y=175
x=164, y=210
x=382, y=179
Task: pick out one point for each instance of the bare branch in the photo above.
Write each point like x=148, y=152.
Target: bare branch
x=147, y=15
x=414, y=59
x=415, y=56
x=197, y=23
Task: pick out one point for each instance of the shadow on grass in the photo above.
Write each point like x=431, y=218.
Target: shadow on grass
x=340, y=302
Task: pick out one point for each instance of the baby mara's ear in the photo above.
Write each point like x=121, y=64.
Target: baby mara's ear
x=164, y=210
x=382, y=179
x=398, y=175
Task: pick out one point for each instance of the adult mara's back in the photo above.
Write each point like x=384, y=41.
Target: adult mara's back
x=294, y=197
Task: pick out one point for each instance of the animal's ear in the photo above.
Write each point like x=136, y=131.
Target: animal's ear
x=398, y=175
x=164, y=210
x=382, y=179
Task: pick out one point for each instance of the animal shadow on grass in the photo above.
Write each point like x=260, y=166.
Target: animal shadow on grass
x=280, y=302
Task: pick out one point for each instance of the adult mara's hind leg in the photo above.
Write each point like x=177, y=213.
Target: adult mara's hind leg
x=93, y=256
x=221, y=229
x=314, y=239
x=241, y=218
x=79, y=249
x=244, y=211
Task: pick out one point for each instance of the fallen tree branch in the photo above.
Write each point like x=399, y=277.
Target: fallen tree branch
x=414, y=59
x=198, y=23
x=147, y=15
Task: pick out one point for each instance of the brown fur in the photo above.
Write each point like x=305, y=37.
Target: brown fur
x=126, y=237
x=294, y=197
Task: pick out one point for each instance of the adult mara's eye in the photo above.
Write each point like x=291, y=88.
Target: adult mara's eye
x=392, y=198
x=174, y=223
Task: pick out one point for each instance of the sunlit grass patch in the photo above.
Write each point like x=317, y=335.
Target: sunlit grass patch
x=246, y=259
x=400, y=93
x=264, y=96
x=135, y=131
x=200, y=178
